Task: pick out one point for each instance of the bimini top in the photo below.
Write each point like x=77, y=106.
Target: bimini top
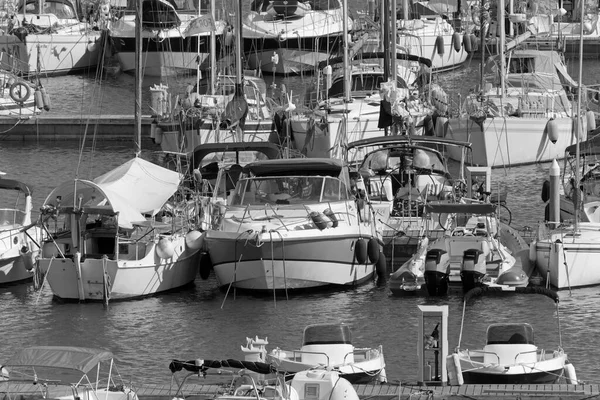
x=327, y=334
x=135, y=188
x=512, y=333
x=74, y=358
x=295, y=167
x=11, y=184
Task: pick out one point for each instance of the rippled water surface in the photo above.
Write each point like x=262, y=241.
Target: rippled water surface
x=199, y=322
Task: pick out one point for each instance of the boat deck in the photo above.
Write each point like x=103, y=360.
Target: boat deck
x=365, y=392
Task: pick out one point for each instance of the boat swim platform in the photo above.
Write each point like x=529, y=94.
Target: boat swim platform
x=51, y=127
x=365, y=392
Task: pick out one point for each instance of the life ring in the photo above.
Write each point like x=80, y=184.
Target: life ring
x=19, y=91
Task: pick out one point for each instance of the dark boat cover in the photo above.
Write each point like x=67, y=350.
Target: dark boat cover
x=296, y=166
x=481, y=290
x=203, y=365
x=11, y=184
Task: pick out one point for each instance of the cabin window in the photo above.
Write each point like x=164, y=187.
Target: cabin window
x=522, y=65
x=290, y=190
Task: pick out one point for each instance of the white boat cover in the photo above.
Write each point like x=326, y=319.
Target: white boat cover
x=132, y=189
x=75, y=358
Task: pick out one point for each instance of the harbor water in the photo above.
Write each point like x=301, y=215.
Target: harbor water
x=202, y=322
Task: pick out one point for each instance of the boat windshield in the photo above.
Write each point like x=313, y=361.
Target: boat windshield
x=510, y=334
x=408, y=158
x=62, y=10
x=327, y=334
x=289, y=190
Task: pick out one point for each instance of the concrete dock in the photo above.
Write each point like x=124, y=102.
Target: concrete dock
x=48, y=127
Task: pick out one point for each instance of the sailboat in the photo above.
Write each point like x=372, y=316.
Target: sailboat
x=567, y=255
x=55, y=40
x=122, y=235
x=293, y=36
x=236, y=109
x=521, y=113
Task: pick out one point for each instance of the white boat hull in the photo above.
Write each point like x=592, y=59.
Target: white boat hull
x=510, y=141
x=126, y=278
x=569, y=261
x=296, y=260
x=59, y=53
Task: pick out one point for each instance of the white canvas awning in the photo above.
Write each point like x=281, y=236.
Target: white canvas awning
x=132, y=189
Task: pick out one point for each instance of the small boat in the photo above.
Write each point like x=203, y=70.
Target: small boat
x=470, y=254
x=329, y=347
x=294, y=224
x=19, y=238
x=66, y=373
x=253, y=379
x=108, y=245
x=510, y=355
x=55, y=40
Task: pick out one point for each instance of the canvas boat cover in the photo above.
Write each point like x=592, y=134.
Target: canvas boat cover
x=460, y=208
x=74, y=358
x=135, y=188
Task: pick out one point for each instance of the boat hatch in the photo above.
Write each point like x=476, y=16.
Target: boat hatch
x=327, y=334
x=510, y=334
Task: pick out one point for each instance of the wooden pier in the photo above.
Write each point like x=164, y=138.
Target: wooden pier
x=51, y=127
x=365, y=392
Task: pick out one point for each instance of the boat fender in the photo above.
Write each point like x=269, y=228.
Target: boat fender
x=91, y=46
x=194, y=240
x=429, y=128
x=570, y=374
x=360, y=251
x=158, y=135
x=467, y=43
x=546, y=190
x=456, y=41
x=27, y=258
x=455, y=376
x=373, y=250
x=552, y=128
x=206, y=265
x=45, y=99
x=533, y=252
x=320, y=220
x=381, y=268
x=19, y=91
x=587, y=27
x=331, y=215
x=439, y=45
x=229, y=38
x=474, y=43
x=165, y=248
x=37, y=99
x=591, y=120
x=153, y=126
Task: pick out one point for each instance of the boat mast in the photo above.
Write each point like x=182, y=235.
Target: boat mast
x=576, y=190
x=238, y=47
x=482, y=13
x=137, y=117
x=346, y=65
x=213, y=48
x=501, y=49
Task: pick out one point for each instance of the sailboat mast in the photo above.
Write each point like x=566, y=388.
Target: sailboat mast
x=482, y=19
x=576, y=190
x=501, y=46
x=137, y=117
x=213, y=49
x=346, y=66
x=238, y=45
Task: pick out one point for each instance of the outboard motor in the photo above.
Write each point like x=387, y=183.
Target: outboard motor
x=473, y=268
x=437, y=272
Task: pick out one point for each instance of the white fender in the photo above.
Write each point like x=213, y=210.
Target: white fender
x=455, y=377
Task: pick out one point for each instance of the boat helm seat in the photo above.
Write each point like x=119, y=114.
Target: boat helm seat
x=509, y=354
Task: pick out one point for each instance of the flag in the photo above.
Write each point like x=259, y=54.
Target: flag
x=202, y=24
